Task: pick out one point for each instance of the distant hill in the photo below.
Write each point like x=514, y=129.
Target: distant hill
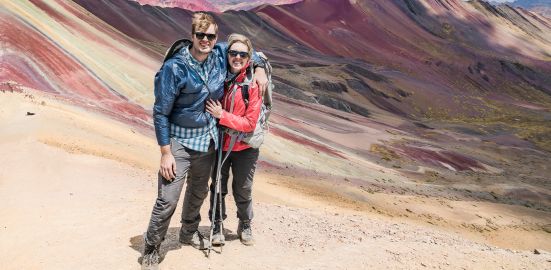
x=193, y=5
x=540, y=6
x=545, y=11
x=247, y=4
x=214, y=5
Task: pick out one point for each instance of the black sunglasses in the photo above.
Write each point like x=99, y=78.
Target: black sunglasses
x=233, y=53
x=201, y=36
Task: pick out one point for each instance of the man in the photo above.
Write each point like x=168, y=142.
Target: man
x=193, y=72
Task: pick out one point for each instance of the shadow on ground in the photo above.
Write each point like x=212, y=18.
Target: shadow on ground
x=171, y=241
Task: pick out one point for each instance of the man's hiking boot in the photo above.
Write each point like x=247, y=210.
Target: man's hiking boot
x=218, y=234
x=194, y=239
x=150, y=259
x=245, y=232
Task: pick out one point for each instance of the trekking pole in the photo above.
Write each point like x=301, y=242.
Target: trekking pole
x=218, y=185
x=220, y=198
x=217, y=191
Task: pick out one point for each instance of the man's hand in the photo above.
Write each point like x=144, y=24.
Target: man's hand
x=168, y=164
x=261, y=79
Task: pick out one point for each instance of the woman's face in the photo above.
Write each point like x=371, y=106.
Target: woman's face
x=238, y=56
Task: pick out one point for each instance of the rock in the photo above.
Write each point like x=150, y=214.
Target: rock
x=329, y=86
x=536, y=252
x=30, y=113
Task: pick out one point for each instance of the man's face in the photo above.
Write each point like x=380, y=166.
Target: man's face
x=204, y=45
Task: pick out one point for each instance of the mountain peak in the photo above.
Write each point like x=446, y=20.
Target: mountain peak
x=214, y=5
x=193, y=5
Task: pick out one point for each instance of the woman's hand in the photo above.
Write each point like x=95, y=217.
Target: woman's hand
x=214, y=108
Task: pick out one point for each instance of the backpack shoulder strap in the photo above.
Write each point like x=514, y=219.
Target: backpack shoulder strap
x=246, y=84
x=233, y=91
x=176, y=46
x=245, y=94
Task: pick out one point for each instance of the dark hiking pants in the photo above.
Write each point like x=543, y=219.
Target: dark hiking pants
x=243, y=165
x=194, y=167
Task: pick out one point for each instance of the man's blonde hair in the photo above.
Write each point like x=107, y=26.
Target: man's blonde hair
x=234, y=38
x=201, y=21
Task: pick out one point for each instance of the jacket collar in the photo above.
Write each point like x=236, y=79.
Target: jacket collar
x=243, y=74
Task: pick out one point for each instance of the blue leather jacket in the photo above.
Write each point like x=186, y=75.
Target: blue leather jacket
x=180, y=94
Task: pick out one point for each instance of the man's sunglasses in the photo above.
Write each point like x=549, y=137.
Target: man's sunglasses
x=201, y=36
x=233, y=53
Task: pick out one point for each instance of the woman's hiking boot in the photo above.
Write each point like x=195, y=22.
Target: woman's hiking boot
x=218, y=238
x=194, y=239
x=151, y=258
x=245, y=232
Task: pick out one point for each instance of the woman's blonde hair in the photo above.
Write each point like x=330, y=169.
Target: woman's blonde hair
x=234, y=38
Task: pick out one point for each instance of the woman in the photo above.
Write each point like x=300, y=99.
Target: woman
x=242, y=117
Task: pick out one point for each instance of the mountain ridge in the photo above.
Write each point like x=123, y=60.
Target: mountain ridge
x=542, y=7
x=213, y=6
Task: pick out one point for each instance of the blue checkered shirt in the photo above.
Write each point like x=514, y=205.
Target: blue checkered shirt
x=200, y=67
x=197, y=139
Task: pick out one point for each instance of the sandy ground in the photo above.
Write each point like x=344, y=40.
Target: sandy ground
x=78, y=188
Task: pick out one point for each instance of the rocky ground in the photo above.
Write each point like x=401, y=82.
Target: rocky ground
x=78, y=189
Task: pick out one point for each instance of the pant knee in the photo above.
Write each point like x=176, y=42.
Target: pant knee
x=164, y=206
x=241, y=198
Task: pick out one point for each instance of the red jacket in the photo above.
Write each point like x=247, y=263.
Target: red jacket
x=243, y=118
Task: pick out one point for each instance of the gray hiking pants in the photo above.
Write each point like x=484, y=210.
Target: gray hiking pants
x=243, y=165
x=193, y=166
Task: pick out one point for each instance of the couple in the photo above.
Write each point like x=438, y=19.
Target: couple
x=195, y=77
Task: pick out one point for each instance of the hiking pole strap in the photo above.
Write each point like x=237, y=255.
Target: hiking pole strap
x=233, y=139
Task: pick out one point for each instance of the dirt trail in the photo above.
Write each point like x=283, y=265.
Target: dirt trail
x=68, y=208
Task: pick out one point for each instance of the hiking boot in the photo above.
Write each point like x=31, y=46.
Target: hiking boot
x=245, y=232
x=150, y=259
x=218, y=235
x=194, y=239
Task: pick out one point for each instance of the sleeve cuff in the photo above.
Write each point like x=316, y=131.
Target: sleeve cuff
x=223, y=116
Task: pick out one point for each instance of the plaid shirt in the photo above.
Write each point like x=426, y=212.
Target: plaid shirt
x=200, y=67
x=197, y=139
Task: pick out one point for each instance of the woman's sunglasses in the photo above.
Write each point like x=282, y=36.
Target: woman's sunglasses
x=233, y=53
x=201, y=36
